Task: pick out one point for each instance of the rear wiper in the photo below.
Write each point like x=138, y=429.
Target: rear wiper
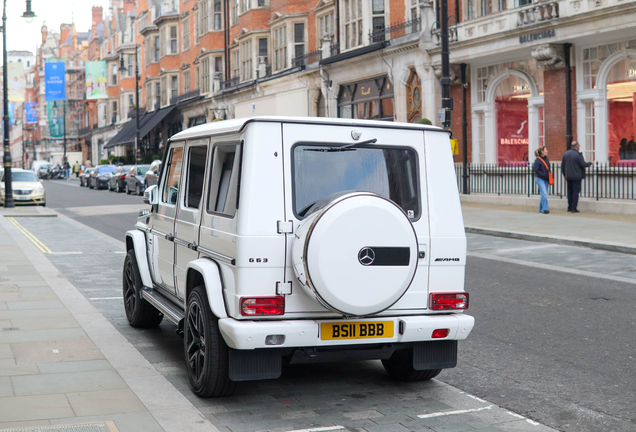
x=348, y=147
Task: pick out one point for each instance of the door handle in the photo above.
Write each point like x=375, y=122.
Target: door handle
x=170, y=237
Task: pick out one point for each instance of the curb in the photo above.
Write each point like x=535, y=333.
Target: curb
x=610, y=247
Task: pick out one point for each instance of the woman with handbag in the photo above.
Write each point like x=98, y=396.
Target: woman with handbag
x=544, y=177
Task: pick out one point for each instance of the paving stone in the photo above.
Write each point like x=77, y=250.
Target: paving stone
x=41, y=335
x=6, y=389
x=393, y=427
x=298, y=415
x=24, y=424
x=38, y=294
x=131, y=422
x=74, y=366
x=56, y=351
x=39, y=407
x=105, y=402
x=45, y=322
x=453, y=427
x=362, y=415
x=33, y=313
x=67, y=382
x=8, y=367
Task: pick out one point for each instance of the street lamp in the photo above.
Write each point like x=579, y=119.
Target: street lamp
x=122, y=68
x=6, y=159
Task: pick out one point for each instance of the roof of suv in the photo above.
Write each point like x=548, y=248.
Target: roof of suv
x=236, y=125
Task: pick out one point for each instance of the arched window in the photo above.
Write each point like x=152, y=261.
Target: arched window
x=511, y=105
x=413, y=98
x=621, y=106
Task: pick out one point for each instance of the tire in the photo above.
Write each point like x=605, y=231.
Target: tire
x=110, y=189
x=117, y=188
x=139, y=312
x=400, y=367
x=90, y=185
x=137, y=190
x=206, y=353
x=126, y=189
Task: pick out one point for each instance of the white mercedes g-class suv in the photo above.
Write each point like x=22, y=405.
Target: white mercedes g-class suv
x=302, y=240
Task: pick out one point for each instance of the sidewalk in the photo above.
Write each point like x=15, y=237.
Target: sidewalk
x=62, y=362
x=611, y=232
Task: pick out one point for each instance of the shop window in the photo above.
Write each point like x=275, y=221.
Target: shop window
x=371, y=99
x=621, y=105
x=511, y=106
x=413, y=98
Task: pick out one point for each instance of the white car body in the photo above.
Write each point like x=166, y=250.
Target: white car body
x=251, y=253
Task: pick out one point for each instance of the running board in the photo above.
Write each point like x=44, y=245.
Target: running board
x=163, y=304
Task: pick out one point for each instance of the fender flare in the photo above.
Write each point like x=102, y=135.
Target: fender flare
x=213, y=284
x=138, y=240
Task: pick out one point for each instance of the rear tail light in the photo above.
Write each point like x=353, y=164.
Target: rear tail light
x=262, y=306
x=440, y=333
x=449, y=301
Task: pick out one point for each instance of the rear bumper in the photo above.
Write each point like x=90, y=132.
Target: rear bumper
x=249, y=335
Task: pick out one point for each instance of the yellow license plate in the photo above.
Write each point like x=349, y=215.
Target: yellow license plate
x=356, y=330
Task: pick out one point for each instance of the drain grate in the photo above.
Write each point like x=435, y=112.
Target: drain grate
x=86, y=427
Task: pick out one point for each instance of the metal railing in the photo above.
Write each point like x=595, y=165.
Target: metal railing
x=396, y=30
x=601, y=180
x=305, y=59
x=232, y=82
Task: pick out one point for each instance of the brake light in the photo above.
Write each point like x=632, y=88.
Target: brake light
x=122, y=176
x=440, y=333
x=449, y=301
x=262, y=306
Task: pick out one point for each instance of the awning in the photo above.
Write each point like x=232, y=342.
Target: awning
x=147, y=122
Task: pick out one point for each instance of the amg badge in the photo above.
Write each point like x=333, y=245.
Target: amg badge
x=446, y=259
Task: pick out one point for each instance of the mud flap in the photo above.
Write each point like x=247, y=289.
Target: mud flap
x=435, y=355
x=258, y=364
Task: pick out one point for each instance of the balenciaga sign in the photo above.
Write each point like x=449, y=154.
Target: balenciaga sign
x=545, y=34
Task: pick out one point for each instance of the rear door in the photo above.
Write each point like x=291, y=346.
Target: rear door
x=164, y=219
x=394, y=167
x=189, y=210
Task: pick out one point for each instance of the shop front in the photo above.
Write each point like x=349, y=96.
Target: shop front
x=372, y=99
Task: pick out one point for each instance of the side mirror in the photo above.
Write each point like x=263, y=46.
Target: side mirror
x=151, y=195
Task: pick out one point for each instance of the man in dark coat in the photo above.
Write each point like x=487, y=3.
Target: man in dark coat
x=573, y=167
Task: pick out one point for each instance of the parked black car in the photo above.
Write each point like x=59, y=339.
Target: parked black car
x=85, y=175
x=135, y=179
x=99, y=177
x=152, y=175
x=117, y=182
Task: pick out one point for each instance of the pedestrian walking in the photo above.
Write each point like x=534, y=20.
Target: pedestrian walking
x=67, y=169
x=544, y=177
x=76, y=169
x=573, y=167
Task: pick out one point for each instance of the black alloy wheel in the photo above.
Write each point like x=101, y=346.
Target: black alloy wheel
x=206, y=353
x=139, y=312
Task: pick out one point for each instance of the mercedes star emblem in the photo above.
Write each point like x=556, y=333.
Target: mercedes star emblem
x=366, y=256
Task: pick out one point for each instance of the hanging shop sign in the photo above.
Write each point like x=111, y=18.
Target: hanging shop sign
x=531, y=37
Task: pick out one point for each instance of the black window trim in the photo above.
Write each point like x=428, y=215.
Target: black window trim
x=237, y=144
x=372, y=146
x=179, y=144
x=205, y=143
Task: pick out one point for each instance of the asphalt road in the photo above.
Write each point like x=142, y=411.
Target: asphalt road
x=109, y=212
x=553, y=346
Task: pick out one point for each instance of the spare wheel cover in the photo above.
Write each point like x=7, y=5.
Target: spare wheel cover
x=359, y=254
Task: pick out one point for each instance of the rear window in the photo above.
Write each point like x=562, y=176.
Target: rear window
x=21, y=176
x=106, y=169
x=141, y=169
x=388, y=171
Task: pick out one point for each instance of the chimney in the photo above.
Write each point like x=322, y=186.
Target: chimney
x=45, y=32
x=97, y=14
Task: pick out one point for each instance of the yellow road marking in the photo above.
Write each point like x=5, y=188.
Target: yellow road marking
x=30, y=236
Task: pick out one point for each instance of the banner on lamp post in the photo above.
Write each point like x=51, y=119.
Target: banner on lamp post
x=31, y=109
x=54, y=78
x=17, y=83
x=96, y=80
x=55, y=113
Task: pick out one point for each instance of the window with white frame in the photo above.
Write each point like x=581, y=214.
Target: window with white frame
x=590, y=142
x=352, y=23
x=205, y=75
x=197, y=31
x=129, y=65
x=113, y=75
x=280, y=48
x=245, y=5
x=157, y=95
x=479, y=8
x=197, y=81
x=377, y=20
x=299, y=40
x=262, y=50
x=186, y=82
x=326, y=27
x=481, y=137
x=218, y=17
x=246, y=60
x=162, y=35
x=164, y=91
x=235, y=9
x=261, y=3
x=174, y=44
x=414, y=9
x=218, y=66
x=235, y=64
x=186, y=33
x=157, y=49
x=174, y=86
x=148, y=96
x=147, y=50
x=203, y=28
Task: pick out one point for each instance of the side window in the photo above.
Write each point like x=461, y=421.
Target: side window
x=171, y=186
x=224, y=180
x=196, y=173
